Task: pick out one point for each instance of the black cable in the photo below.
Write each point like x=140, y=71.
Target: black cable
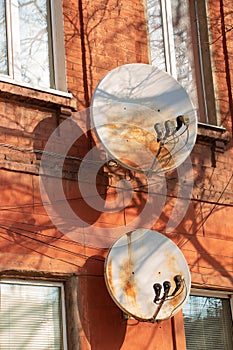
x=209, y=213
x=46, y=243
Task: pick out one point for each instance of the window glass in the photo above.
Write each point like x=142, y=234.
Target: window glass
x=3, y=44
x=156, y=35
x=30, y=317
x=208, y=323
x=32, y=49
x=183, y=44
x=34, y=42
x=170, y=41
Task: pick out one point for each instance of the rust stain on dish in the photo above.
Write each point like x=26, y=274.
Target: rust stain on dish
x=126, y=274
x=127, y=281
x=171, y=262
x=146, y=138
x=134, y=133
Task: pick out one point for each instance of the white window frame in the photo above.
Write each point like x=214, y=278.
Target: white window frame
x=208, y=107
x=58, y=49
x=169, y=42
x=228, y=295
x=206, y=65
x=58, y=44
x=168, y=36
x=47, y=284
x=214, y=294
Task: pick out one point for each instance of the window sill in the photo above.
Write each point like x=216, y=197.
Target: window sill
x=215, y=135
x=50, y=98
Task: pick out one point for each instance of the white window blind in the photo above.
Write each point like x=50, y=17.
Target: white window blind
x=30, y=317
x=208, y=323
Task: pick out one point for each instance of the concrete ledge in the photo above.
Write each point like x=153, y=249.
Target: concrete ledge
x=217, y=136
x=47, y=98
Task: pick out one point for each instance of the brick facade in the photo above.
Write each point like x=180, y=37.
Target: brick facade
x=99, y=36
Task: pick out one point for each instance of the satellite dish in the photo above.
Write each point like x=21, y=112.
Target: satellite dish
x=147, y=275
x=144, y=118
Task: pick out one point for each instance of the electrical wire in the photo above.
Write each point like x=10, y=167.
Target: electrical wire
x=33, y=250
x=61, y=156
x=124, y=190
x=209, y=213
x=139, y=187
x=45, y=243
x=47, y=153
x=42, y=234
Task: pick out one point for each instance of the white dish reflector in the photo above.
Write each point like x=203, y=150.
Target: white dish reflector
x=144, y=118
x=147, y=275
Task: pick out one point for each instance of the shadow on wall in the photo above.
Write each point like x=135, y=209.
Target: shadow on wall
x=102, y=321
x=64, y=146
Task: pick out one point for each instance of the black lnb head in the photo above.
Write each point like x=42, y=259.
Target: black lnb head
x=166, y=287
x=179, y=122
x=178, y=282
x=157, y=288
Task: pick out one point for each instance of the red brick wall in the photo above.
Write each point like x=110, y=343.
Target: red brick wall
x=99, y=36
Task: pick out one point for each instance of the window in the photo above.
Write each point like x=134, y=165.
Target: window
x=208, y=322
x=180, y=44
x=32, y=48
x=31, y=316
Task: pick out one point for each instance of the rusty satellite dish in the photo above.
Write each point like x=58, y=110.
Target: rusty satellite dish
x=147, y=275
x=144, y=118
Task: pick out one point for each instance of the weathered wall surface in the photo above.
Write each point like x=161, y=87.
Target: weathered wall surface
x=99, y=36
